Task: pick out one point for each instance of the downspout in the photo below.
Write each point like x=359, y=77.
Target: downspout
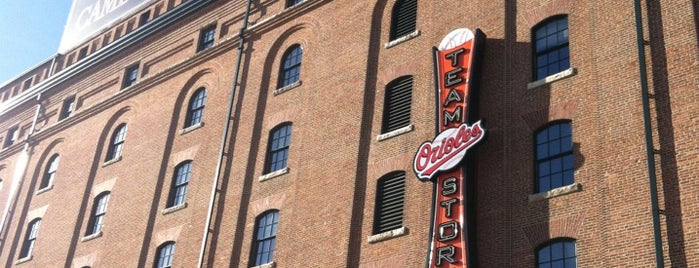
x=659, y=263
x=20, y=170
x=224, y=138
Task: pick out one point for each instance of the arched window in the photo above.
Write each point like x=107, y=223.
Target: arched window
x=388, y=210
x=397, y=102
x=554, y=156
x=558, y=253
x=403, y=18
x=49, y=172
x=165, y=255
x=278, y=153
x=99, y=210
x=30, y=238
x=196, y=108
x=116, y=144
x=290, y=70
x=551, y=52
x=265, y=238
x=180, y=180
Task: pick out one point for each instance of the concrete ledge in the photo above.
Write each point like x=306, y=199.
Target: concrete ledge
x=92, y=236
x=174, y=208
x=23, y=260
x=402, y=39
x=266, y=265
x=45, y=189
x=273, y=174
x=287, y=88
x=112, y=161
x=575, y=187
x=394, y=133
x=387, y=235
x=552, y=78
x=191, y=128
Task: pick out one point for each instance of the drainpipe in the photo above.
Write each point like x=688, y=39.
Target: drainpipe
x=224, y=138
x=659, y=263
x=20, y=170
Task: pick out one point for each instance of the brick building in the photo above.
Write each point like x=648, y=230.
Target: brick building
x=173, y=137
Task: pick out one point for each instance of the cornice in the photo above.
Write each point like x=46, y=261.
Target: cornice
x=105, y=53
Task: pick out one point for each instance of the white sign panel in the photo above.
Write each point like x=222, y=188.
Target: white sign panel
x=88, y=17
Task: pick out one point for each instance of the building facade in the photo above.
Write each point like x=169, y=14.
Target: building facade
x=210, y=133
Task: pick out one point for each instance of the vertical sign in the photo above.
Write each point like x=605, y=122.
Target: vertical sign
x=440, y=160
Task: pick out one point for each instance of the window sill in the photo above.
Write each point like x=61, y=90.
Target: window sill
x=575, y=187
x=266, y=265
x=112, y=161
x=287, y=88
x=402, y=39
x=387, y=235
x=91, y=237
x=551, y=78
x=45, y=189
x=273, y=174
x=191, y=128
x=23, y=260
x=174, y=208
x=394, y=133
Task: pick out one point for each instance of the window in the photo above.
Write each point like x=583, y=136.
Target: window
x=196, y=108
x=30, y=238
x=291, y=3
x=291, y=66
x=403, y=18
x=143, y=19
x=388, y=211
x=117, y=143
x=178, y=191
x=99, y=209
x=166, y=252
x=82, y=53
x=12, y=136
x=554, y=156
x=130, y=76
x=278, y=148
x=551, y=52
x=28, y=83
x=50, y=172
x=397, y=103
x=557, y=254
x=68, y=107
x=206, y=37
x=265, y=236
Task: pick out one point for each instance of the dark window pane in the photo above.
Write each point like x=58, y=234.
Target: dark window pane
x=542, y=151
x=545, y=183
x=556, y=180
x=568, y=162
x=544, y=168
x=568, y=177
x=557, y=264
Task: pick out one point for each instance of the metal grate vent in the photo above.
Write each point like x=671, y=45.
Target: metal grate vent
x=390, y=193
x=403, y=19
x=397, y=104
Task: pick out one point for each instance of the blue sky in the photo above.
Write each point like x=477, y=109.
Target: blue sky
x=30, y=31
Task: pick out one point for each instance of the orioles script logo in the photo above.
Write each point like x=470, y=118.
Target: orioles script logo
x=446, y=150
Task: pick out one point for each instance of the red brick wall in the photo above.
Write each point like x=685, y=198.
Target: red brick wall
x=326, y=199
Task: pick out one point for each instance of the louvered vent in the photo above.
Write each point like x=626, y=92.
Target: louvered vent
x=403, y=18
x=390, y=193
x=397, y=104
